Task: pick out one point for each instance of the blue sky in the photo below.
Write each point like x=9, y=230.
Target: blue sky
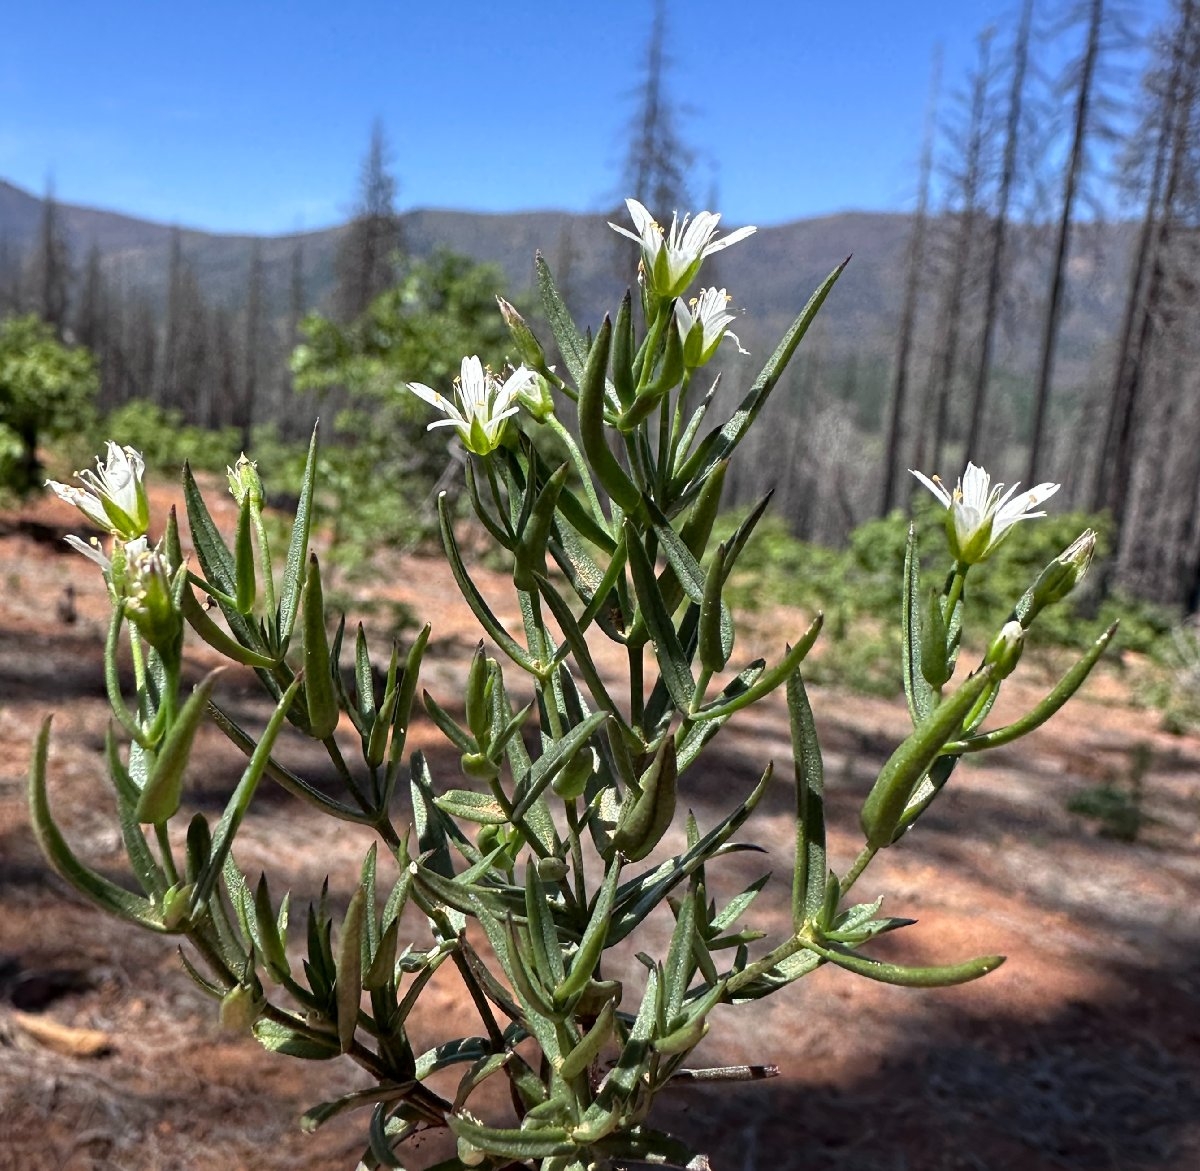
x=253, y=117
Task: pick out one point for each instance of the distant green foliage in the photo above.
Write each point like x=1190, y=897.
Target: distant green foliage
x=380, y=453
x=46, y=390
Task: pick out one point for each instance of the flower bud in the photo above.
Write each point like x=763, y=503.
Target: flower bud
x=478, y=766
x=571, y=780
x=528, y=346
x=150, y=599
x=176, y=904
x=1005, y=652
x=1066, y=571
x=551, y=869
x=241, y=1006
x=244, y=481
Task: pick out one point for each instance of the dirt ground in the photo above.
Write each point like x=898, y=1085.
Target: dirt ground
x=1082, y=1053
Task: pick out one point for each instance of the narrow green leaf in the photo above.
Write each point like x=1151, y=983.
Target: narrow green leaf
x=243, y=561
x=672, y=662
x=811, y=869
x=163, y=792
x=297, y=554
x=319, y=696
x=468, y=805
x=920, y=695
x=591, y=945
x=542, y=1143
x=279, y=1038
x=899, y=777
x=474, y=598
x=349, y=969
x=211, y=551
x=105, y=894
x=930, y=977
x=720, y=444
x=1062, y=691
x=566, y=333
x=240, y=800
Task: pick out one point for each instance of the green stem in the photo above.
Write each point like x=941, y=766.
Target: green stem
x=164, y=847
x=860, y=864
x=955, y=592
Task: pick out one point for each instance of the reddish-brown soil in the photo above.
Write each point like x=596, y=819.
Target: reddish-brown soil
x=1082, y=1053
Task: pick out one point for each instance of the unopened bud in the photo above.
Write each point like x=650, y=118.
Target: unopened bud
x=1066, y=571
x=244, y=480
x=530, y=349
x=551, y=869
x=478, y=767
x=1005, y=652
x=176, y=905
x=240, y=1008
x=150, y=599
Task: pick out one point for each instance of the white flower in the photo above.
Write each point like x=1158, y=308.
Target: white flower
x=115, y=496
x=672, y=259
x=483, y=403
x=979, y=515
x=702, y=325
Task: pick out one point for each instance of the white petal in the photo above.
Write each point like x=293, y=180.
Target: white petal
x=92, y=552
x=732, y=238
x=938, y=490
